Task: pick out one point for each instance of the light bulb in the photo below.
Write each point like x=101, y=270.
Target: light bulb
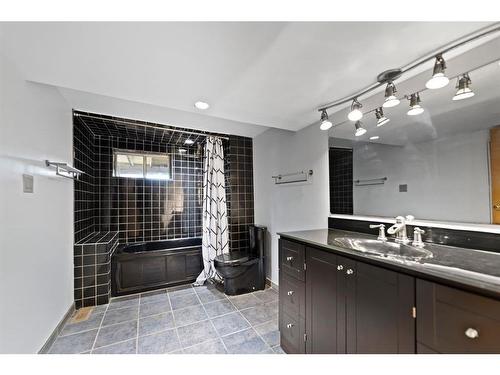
x=355, y=113
x=359, y=129
x=438, y=79
x=325, y=122
x=415, y=107
x=390, y=99
x=381, y=119
x=464, y=91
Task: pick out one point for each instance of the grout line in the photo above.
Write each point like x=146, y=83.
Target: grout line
x=211, y=323
x=252, y=327
x=175, y=326
x=99, y=329
x=137, y=326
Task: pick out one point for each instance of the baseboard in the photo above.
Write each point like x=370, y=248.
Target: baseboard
x=271, y=284
x=46, y=347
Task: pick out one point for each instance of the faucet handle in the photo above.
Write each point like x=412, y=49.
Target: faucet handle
x=381, y=231
x=417, y=237
x=410, y=217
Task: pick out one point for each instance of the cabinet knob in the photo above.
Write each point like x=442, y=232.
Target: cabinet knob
x=471, y=333
x=289, y=259
x=290, y=292
x=340, y=267
x=349, y=271
x=289, y=325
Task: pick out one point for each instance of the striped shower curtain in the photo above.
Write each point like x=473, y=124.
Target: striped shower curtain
x=215, y=228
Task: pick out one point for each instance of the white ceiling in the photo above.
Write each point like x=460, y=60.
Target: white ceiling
x=270, y=74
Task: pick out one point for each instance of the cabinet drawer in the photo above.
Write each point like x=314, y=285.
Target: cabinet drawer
x=452, y=321
x=292, y=334
x=292, y=295
x=292, y=259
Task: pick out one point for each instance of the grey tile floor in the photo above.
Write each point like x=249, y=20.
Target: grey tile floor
x=178, y=320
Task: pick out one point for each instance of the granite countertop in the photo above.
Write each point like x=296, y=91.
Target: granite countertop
x=473, y=270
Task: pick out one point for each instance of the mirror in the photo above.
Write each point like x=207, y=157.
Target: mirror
x=443, y=164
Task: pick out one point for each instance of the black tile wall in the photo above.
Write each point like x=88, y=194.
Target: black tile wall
x=85, y=187
x=149, y=210
x=92, y=268
x=341, y=181
x=146, y=210
x=239, y=190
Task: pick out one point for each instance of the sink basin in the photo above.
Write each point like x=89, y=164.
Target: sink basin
x=381, y=248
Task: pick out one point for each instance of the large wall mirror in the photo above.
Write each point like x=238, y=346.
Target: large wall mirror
x=442, y=164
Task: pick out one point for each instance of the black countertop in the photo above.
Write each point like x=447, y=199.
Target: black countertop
x=473, y=270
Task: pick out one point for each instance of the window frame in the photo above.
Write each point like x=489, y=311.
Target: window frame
x=143, y=154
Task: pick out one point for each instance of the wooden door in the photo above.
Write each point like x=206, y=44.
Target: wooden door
x=321, y=302
x=495, y=174
x=379, y=311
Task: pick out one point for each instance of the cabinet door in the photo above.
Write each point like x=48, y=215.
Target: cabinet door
x=379, y=310
x=453, y=321
x=321, y=301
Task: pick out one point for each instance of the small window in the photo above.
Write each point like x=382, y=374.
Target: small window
x=141, y=165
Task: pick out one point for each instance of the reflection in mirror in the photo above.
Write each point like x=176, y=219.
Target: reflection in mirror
x=443, y=164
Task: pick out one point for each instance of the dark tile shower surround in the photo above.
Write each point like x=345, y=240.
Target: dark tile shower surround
x=142, y=210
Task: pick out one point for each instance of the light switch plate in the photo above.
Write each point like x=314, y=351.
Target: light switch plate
x=28, y=183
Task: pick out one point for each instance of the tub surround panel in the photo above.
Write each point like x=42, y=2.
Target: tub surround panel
x=443, y=236
x=92, y=268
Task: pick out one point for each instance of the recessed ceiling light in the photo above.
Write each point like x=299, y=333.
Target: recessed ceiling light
x=201, y=105
x=188, y=142
x=374, y=138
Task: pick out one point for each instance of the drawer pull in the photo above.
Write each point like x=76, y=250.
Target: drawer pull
x=289, y=325
x=349, y=271
x=471, y=333
x=289, y=259
x=290, y=292
x=340, y=267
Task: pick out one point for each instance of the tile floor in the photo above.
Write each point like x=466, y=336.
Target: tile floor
x=178, y=320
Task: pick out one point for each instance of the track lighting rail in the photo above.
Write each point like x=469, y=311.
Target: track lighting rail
x=494, y=28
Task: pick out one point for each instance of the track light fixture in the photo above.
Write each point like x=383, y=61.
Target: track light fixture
x=355, y=113
x=381, y=119
x=415, y=107
x=325, y=123
x=359, y=129
x=438, y=79
x=463, y=85
x=390, y=99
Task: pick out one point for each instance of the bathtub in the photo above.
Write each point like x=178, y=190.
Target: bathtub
x=140, y=267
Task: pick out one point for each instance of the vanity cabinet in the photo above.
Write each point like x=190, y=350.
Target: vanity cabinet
x=453, y=321
x=343, y=306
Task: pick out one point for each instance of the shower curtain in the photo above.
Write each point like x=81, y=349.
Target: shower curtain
x=215, y=228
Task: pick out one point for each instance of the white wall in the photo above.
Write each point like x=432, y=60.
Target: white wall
x=448, y=179
x=36, y=230
x=296, y=206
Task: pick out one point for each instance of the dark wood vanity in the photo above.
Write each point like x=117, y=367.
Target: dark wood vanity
x=333, y=303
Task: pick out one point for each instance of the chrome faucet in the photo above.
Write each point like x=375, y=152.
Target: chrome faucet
x=381, y=231
x=399, y=229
